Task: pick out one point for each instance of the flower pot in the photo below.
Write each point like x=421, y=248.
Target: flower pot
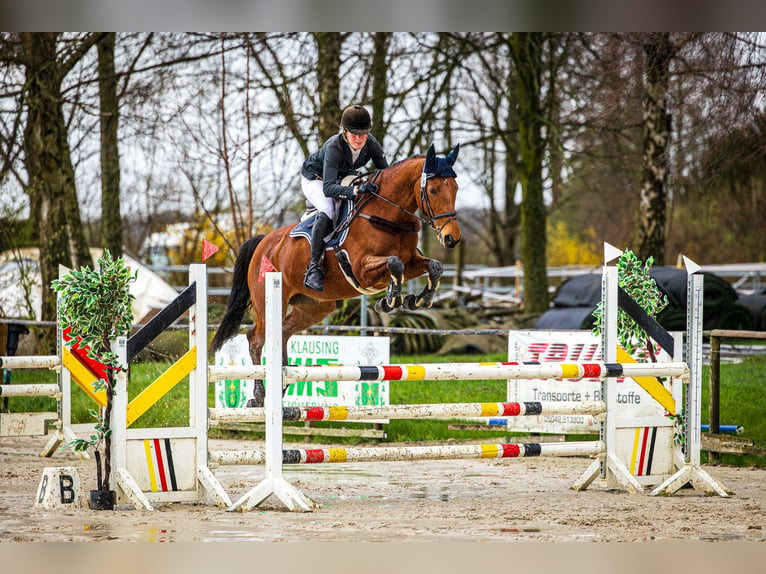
x=102, y=499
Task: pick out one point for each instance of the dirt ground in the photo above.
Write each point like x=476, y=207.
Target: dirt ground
x=527, y=499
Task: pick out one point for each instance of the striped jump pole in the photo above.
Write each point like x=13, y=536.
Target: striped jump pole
x=417, y=411
x=455, y=371
x=481, y=371
x=411, y=453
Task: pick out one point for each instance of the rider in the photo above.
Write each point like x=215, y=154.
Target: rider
x=341, y=155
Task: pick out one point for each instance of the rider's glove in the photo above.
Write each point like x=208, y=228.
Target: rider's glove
x=367, y=187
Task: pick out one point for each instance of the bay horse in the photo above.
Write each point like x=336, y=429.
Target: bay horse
x=379, y=252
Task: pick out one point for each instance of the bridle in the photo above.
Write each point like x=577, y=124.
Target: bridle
x=428, y=210
x=425, y=205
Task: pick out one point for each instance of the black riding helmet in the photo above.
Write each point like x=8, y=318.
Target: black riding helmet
x=356, y=119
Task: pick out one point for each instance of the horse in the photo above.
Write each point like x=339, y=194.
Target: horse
x=379, y=252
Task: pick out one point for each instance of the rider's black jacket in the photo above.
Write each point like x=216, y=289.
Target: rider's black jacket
x=334, y=161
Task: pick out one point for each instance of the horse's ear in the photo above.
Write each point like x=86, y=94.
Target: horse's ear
x=430, y=164
x=452, y=157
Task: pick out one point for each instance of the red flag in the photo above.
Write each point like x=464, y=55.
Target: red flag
x=208, y=249
x=266, y=266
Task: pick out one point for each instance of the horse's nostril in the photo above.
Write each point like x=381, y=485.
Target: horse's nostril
x=450, y=241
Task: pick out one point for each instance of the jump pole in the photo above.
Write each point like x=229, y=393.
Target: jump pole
x=455, y=371
x=412, y=453
x=38, y=423
x=29, y=423
x=416, y=411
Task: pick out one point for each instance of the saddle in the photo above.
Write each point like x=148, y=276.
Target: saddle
x=342, y=213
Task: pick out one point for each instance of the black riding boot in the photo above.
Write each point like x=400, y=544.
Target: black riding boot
x=315, y=273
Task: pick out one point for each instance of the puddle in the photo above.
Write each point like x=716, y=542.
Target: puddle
x=430, y=493
x=723, y=538
x=160, y=535
x=232, y=536
x=325, y=473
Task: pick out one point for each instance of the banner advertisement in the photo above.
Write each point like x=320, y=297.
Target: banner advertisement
x=571, y=347
x=311, y=350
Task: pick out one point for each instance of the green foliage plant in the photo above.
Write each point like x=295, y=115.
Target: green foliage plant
x=635, y=279
x=96, y=305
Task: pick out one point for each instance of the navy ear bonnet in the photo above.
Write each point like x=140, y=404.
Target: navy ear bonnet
x=440, y=166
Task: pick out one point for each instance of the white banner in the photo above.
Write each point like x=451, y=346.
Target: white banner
x=311, y=350
x=570, y=347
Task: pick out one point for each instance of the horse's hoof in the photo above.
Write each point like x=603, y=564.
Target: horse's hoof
x=410, y=303
x=259, y=395
x=382, y=306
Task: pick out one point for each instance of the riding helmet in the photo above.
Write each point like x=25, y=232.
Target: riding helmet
x=356, y=119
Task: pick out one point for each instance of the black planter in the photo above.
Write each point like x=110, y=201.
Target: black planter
x=102, y=499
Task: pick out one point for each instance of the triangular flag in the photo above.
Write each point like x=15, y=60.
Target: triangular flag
x=208, y=249
x=691, y=266
x=610, y=252
x=266, y=266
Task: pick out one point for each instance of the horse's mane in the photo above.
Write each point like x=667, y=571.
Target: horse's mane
x=394, y=168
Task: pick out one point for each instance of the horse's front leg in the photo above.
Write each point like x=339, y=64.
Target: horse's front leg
x=393, y=298
x=425, y=298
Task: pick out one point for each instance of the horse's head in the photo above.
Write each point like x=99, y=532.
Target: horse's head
x=438, y=192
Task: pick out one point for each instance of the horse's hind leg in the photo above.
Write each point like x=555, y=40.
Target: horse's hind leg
x=425, y=298
x=393, y=298
x=256, y=338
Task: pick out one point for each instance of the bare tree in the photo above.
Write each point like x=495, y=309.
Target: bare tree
x=47, y=58
x=328, y=81
x=659, y=50
x=527, y=54
x=489, y=76
x=111, y=222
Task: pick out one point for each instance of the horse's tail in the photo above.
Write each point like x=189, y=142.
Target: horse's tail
x=239, y=297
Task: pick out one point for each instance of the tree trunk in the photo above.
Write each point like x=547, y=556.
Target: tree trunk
x=328, y=82
x=51, y=188
x=111, y=222
x=509, y=251
x=654, y=184
x=379, y=73
x=527, y=55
